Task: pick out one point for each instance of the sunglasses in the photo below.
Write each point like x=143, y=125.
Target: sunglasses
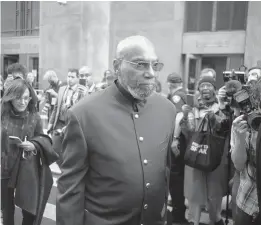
x=143, y=65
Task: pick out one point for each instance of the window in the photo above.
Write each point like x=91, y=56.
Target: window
x=223, y=15
x=199, y=16
x=239, y=17
x=215, y=16
x=20, y=18
x=231, y=15
x=35, y=66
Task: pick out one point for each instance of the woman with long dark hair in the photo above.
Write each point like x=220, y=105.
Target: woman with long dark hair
x=24, y=162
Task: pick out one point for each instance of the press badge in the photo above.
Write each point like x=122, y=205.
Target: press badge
x=176, y=98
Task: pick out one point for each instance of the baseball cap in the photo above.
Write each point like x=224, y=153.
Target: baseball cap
x=174, y=78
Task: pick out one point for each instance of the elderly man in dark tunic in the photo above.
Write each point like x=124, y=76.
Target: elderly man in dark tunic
x=117, y=143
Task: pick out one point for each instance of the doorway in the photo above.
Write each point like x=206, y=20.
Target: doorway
x=194, y=64
x=219, y=64
x=8, y=60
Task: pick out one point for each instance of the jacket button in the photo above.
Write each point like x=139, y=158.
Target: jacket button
x=147, y=185
x=136, y=116
x=145, y=161
x=141, y=138
x=145, y=206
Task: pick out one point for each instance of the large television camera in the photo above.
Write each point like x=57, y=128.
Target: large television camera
x=242, y=96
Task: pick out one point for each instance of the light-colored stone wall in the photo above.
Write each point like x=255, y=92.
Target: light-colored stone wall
x=74, y=35
x=161, y=22
x=253, y=34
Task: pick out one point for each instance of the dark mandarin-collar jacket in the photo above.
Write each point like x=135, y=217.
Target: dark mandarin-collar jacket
x=116, y=163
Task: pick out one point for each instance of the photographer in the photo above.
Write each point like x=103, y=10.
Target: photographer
x=244, y=146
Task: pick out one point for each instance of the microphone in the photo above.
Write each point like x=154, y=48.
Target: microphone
x=232, y=87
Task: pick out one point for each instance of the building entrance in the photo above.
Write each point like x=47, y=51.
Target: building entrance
x=194, y=64
x=219, y=64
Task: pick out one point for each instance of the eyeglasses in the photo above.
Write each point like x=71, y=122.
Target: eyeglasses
x=143, y=65
x=26, y=99
x=83, y=75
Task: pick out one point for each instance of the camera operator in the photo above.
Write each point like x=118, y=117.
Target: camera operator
x=244, y=146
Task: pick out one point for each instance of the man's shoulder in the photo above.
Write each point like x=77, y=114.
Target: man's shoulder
x=92, y=102
x=162, y=102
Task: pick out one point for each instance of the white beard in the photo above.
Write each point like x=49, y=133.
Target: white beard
x=139, y=94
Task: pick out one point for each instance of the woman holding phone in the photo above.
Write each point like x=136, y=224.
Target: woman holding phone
x=20, y=119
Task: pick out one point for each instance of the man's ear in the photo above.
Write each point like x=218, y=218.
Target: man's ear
x=116, y=65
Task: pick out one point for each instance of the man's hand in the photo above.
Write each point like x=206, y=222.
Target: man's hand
x=27, y=146
x=186, y=109
x=82, y=89
x=174, y=147
x=222, y=95
x=240, y=127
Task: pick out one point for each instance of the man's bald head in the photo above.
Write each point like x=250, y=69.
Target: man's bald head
x=136, y=65
x=134, y=45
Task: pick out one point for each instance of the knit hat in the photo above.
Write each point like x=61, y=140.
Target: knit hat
x=207, y=79
x=174, y=78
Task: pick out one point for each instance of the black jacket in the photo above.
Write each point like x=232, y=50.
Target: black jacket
x=115, y=168
x=34, y=172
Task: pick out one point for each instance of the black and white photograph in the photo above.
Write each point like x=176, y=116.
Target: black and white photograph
x=130, y=112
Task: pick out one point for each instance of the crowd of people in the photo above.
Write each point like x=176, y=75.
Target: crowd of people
x=121, y=145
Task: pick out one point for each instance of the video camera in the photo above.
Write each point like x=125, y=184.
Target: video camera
x=240, y=95
x=234, y=75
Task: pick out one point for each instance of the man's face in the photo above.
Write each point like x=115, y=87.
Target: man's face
x=72, y=79
x=136, y=72
x=30, y=78
x=87, y=77
x=206, y=90
x=173, y=86
x=253, y=76
x=18, y=74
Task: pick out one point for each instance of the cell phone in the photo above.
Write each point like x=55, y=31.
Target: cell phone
x=15, y=140
x=82, y=81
